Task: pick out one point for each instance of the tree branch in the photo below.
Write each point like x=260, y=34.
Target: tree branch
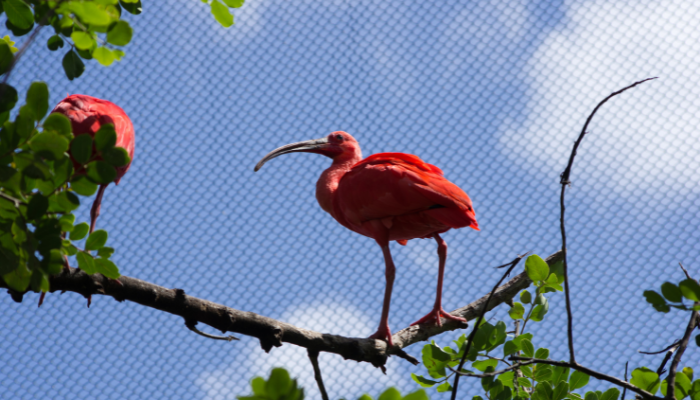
x=671, y=391
x=313, y=357
x=564, y=181
x=595, y=374
x=270, y=332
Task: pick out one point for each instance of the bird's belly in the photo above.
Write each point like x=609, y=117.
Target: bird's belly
x=402, y=227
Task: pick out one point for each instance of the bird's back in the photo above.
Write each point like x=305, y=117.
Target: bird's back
x=408, y=196
x=87, y=114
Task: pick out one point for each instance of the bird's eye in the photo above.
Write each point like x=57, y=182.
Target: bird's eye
x=339, y=137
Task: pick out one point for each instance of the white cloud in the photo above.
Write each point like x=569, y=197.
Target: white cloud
x=343, y=378
x=644, y=141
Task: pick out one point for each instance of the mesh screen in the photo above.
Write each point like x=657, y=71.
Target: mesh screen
x=494, y=92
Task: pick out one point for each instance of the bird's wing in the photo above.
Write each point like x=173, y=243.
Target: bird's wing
x=393, y=184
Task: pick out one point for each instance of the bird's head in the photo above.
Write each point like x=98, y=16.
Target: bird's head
x=339, y=145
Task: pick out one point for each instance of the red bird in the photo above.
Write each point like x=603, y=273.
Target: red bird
x=87, y=114
x=387, y=196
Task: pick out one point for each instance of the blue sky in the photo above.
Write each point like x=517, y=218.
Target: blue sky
x=493, y=92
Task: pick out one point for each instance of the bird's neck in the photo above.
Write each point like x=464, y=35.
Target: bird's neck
x=328, y=182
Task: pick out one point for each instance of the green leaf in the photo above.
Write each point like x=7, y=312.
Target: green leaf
x=38, y=99
x=58, y=123
x=279, y=383
x=591, y=396
x=543, y=391
x=81, y=148
x=445, y=387
x=578, y=380
x=106, y=137
x=132, y=7
x=79, y=231
x=221, y=13
x=86, y=263
x=54, y=43
x=101, y=172
x=19, y=278
x=438, y=353
x=91, y=14
x=507, y=379
x=105, y=252
x=543, y=372
x=536, y=268
x=559, y=374
x=8, y=97
x=68, y=201
x=83, y=40
x=610, y=394
x=539, y=312
x=560, y=390
x=37, y=207
x=688, y=372
x=645, y=379
x=517, y=311
x=542, y=354
x=656, y=300
x=66, y=222
x=83, y=186
x=424, y=382
x=19, y=13
x=107, y=268
x=510, y=348
x=104, y=56
x=6, y=57
x=120, y=33
x=528, y=348
x=483, y=365
x=73, y=65
x=49, y=145
x=690, y=289
x=234, y=3
x=525, y=297
x=96, y=240
x=671, y=292
x=419, y=394
x=258, y=385
x=116, y=156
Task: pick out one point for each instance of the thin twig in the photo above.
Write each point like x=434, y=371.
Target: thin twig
x=191, y=326
x=669, y=352
x=564, y=181
x=624, y=390
x=593, y=373
x=313, y=356
x=670, y=389
x=16, y=202
x=511, y=265
x=685, y=271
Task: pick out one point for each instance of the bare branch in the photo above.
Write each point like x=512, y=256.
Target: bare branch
x=685, y=271
x=624, y=390
x=270, y=332
x=313, y=356
x=670, y=391
x=595, y=374
x=564, y=181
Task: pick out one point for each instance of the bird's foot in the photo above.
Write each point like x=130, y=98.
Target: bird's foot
x=383, y=333
x=435, y=315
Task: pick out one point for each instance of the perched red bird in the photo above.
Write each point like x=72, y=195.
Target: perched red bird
x=387, y=196
x=87, y=114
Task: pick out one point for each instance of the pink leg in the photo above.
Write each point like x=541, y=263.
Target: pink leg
x=95, y=210
x=383, y=332
x=437, y=311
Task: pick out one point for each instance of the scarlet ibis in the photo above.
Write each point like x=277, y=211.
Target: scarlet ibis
x=87, y=115
x=387, y=196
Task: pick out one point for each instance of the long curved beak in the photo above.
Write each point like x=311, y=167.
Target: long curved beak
x=309, y=146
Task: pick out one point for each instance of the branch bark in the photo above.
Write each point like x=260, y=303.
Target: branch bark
x=270, y=332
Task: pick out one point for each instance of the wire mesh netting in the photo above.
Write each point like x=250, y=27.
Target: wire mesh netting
x=494, y=92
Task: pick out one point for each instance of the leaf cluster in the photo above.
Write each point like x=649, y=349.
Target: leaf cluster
x=221, y=11
x=92, y=29
x=44, y=172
